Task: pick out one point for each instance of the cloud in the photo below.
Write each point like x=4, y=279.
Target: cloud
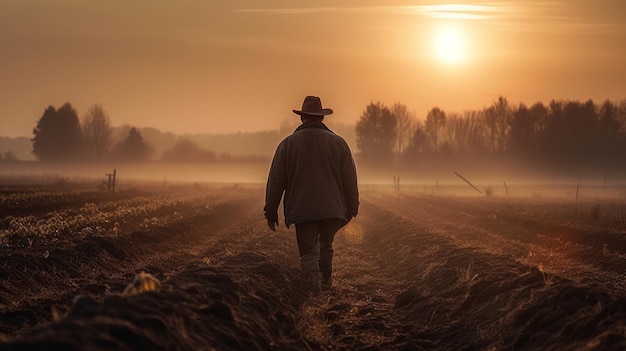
x=525, y=15
x=464, y=11
x=460, y=11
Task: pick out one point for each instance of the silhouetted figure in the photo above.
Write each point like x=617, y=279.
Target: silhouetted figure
x=315, y=170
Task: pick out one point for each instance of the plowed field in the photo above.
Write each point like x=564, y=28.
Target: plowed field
x=416, y=270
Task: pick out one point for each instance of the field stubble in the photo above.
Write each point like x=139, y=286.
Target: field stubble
x=413, y=271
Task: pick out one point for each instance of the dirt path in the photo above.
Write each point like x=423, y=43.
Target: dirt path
x=411, y=272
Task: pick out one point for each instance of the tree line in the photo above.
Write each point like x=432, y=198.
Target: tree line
x=560, y=134
x=8, y=156
x=61, y=136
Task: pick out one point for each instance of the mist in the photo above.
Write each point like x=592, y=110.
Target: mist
x=501, y=179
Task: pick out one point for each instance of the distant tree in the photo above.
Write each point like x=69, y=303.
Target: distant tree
x=498, y=117
x=522, y=138
x=541, y=116
x=288, y=125
x=609, y=118
x=346, y=131
x=376, y=133
x=133, y=148
x=97, y=132
x=8, y=156
x=572, y=134
x=404, y=127
x=418, y=144
x=455, y=133
x=621, y=116
x=57, y=136
x=158, y=140
x=611, y=126
x=435, y=119
x=474, y=138
x=186, y=150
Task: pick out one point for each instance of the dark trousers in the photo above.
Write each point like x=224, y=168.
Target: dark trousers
x=315, y=243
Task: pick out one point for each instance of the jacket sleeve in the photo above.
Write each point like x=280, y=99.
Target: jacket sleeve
x=350, y=184
x=276, y=184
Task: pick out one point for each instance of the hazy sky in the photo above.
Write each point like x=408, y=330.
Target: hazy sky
x=241, y=65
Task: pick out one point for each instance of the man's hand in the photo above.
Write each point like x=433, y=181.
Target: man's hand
x=271, y=223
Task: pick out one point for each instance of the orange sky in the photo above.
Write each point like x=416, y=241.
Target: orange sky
x=226, y=66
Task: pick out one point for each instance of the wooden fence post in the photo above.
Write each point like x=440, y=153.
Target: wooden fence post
x=111, y=183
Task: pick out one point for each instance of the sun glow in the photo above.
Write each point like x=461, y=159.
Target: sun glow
x=450, y=45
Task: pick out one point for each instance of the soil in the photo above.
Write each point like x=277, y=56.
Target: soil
x=414, y=271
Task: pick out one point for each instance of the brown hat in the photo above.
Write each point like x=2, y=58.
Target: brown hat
x=312, y=106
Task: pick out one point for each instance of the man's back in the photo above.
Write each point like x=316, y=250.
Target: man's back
x=315, y=169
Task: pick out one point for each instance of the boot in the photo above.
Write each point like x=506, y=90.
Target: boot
x=313, y=282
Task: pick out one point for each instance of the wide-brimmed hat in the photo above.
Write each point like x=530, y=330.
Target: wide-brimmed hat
x=312, y=106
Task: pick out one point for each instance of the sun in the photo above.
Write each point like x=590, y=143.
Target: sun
x=450, y=45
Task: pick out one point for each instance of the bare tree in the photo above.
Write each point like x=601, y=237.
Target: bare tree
x=498, y=117
x=475, y=138
x=405, y=125
x=97, y=132
x=418, y=144
x=463, y=133
x=375, y=133
x=435, y=119
x=453, y=132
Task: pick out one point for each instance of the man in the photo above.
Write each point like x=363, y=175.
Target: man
x=315, y=170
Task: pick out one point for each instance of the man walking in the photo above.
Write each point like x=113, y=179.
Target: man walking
x=315, y=170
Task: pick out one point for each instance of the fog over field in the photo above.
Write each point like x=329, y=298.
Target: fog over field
x=502, y=179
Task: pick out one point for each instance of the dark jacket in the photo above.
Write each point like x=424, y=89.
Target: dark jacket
x=315, y=169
